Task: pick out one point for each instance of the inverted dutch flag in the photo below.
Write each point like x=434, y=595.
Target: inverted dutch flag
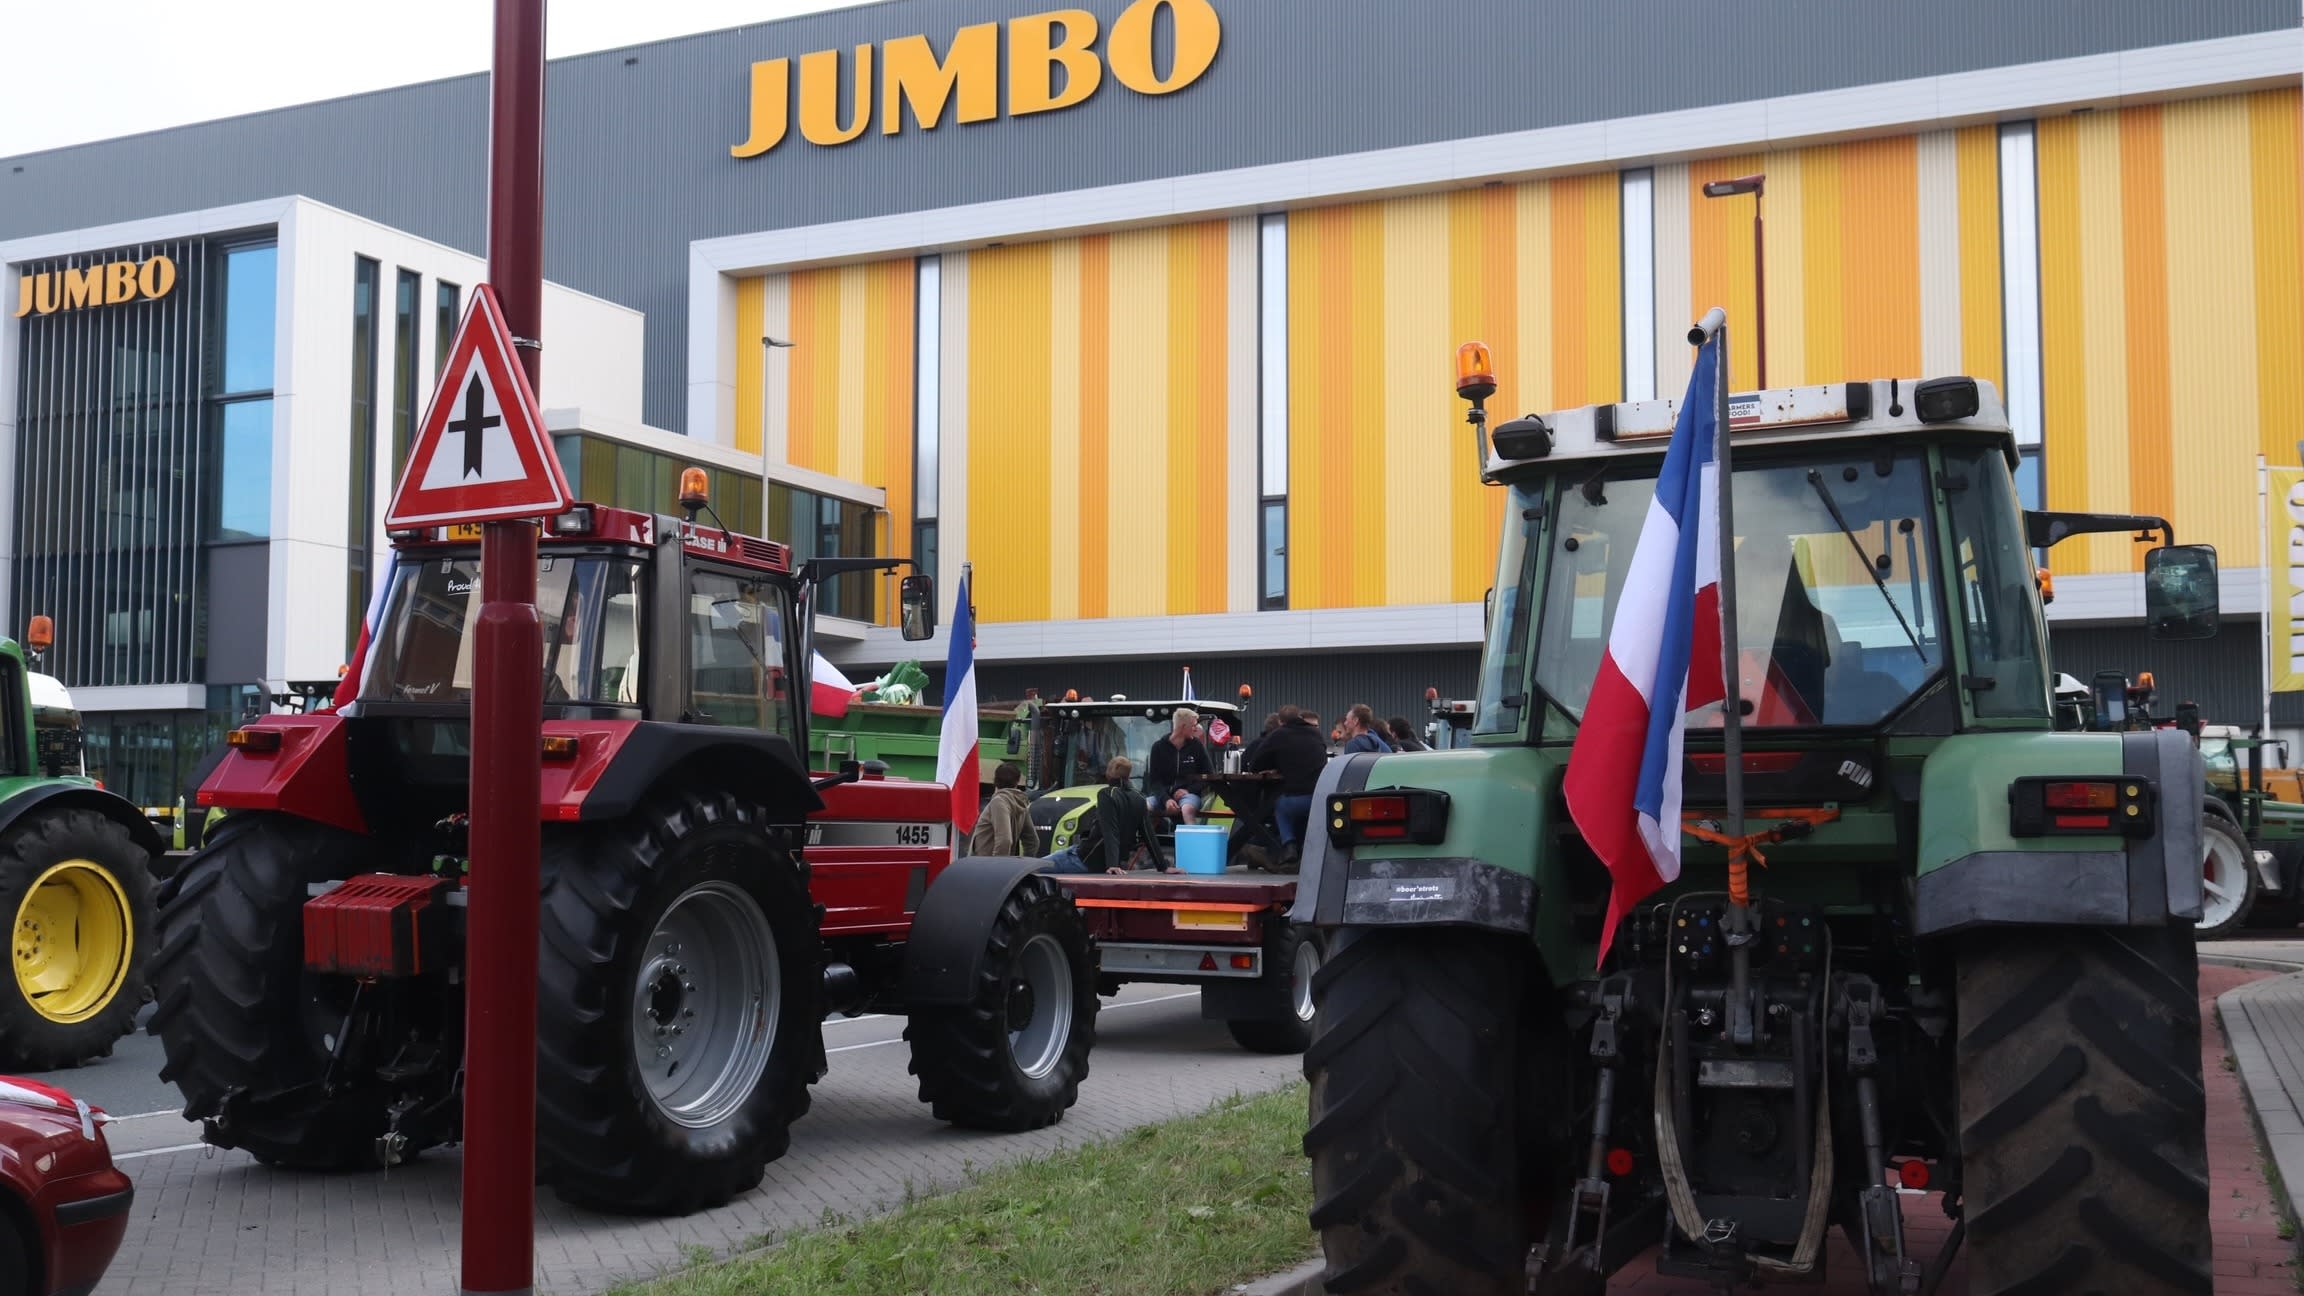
x=829, y=691
x=956, y=741
x=1663, y=661
x=348, y=682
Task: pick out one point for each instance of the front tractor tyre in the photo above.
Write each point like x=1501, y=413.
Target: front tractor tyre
x=680, y=1000
x=2083, y=1134
x=2228, y=882
x=1013, y=1056
x=244, y=1029
x=81, y=890
x=1414, y=1134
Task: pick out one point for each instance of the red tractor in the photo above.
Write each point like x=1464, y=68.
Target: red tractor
x=706, y=901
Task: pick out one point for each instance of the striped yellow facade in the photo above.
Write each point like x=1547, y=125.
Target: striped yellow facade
x=2171, y=304
x=1097, y=398
x=1385, y=501
x=846, y=384
x=1842, y=244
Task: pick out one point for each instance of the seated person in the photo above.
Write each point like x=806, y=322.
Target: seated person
x=1110, y=830
x=1176, y=775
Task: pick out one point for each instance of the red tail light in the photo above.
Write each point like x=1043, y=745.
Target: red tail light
x=1912, y=1174
x=1620, y=1162
x=2080, y=796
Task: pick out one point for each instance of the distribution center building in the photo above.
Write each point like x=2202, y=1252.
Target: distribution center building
x=1144, y=311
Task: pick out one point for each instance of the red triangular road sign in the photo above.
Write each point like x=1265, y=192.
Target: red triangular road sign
x=481, y=454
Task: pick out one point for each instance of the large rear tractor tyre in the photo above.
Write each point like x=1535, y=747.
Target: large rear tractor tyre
x=1291, y=960
x=2228, y=881
x=235, y=1011
x=1012, y=1059
x=679, y=1009
x=81, y=892
x=1414, y=1133
x=2082, y=1119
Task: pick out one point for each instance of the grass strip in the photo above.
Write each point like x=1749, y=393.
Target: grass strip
x=1186, y=1208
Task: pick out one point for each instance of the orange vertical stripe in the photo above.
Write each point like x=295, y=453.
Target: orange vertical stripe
x=1205, y=492
x=1095, y=424
x=2275, y=180
x=1483, y=305
x=2144, y=235
x=815, y=297
x=2063, y=405
x=1880, y=260
x=1186, y=526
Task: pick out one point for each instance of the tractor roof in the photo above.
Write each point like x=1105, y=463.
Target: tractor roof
x=1780, y=415
x=1159, y=710
x=596, y=524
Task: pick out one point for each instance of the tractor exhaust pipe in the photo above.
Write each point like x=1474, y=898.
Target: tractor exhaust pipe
x=843, y=990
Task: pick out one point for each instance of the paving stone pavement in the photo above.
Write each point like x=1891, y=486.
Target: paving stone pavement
x=208, y=1222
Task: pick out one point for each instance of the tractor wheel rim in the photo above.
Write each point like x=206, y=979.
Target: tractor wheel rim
x=705, y=1004
x=1043, y=975
x=1300, y=972
x=2222, y=883
x=74, y=941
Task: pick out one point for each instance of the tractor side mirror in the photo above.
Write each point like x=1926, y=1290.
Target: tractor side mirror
x=2180, y=592
x=916, y=602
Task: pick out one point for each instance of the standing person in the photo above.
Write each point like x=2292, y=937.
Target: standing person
x=1005, y=827
x=1176, y=776
x=1403, y=735
x=1295, y=751
x=1111, y=830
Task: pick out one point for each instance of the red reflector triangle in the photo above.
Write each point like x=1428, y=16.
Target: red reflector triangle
x=1207, y=962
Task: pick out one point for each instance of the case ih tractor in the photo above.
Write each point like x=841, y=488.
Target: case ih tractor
x=1971, y=964
x=705, y=901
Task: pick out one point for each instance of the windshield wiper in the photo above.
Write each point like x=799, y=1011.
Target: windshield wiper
x=1823, y=492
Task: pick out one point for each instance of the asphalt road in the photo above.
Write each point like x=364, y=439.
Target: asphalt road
x=208, y=1221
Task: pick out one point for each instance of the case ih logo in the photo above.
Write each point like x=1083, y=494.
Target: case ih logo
x=97, y=285
x=1052, y=58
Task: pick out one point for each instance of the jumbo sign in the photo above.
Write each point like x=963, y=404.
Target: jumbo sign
x=97, y=285
x=1053, y=62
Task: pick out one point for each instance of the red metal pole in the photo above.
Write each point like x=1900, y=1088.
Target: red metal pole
x=499, y=1206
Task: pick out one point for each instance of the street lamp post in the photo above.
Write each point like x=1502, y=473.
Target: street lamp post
x=769, y=346
x=1753, y=185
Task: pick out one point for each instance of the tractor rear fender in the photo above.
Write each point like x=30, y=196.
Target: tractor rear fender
x=619, y=762
x=1975, y=870
x=1483, y=871
x=945, y=950
x=304, y=774
x=49, y=797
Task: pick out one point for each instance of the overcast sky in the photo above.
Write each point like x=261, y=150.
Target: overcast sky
x=78, y=70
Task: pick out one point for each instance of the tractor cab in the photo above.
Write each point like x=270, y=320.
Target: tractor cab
x=1077, y=739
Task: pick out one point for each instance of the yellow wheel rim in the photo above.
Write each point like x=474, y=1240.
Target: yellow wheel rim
x=73, y=941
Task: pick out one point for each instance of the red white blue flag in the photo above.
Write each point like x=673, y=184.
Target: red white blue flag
x=1663, y=661
x=956, y=763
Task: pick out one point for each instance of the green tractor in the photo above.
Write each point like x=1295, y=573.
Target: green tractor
x=1966, y=968
x=2252, y=863
x=75, y=870
x=1075, y=739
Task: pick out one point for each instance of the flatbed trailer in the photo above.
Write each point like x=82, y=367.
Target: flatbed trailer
x=1228, y=934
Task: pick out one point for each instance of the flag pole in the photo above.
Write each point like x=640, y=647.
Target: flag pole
x=1738, y=920
x=2264, y=586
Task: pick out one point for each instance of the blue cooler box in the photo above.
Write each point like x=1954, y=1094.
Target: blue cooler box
x=1200, y=848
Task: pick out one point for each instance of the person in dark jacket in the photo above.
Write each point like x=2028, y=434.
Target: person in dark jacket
x=1361, y=731
x=1110, y=830
x=1297, y=753
x=1403, y=735
x=1176, y=773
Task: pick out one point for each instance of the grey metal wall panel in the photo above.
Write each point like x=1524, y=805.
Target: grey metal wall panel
x=1393, y=683
x=638, y=139
x=2224, y=675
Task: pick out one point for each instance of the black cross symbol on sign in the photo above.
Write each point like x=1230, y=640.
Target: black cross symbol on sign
x=475, y=422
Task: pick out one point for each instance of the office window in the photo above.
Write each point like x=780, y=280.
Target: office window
x=367, y=279
x=928, y=388
x=1273, y=559
x=1639, y=261
x=240, y=507
x=445, y=315
x=406, y=322
x=251, y=278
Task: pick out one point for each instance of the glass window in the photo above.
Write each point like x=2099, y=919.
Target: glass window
x=2030, y=488
x=928, y=386
x=924, y=546
x=2007, y=643
x=736, y=639
x=241, y=504
x=591, y=612
x=1275, y=560
x=1834, y=596
x=359, y=533
x=444, y=318
x=405, y=323
x=1504, y=657
x=251, y=280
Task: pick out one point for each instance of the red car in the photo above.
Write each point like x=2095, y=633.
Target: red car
x=64, y=1207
